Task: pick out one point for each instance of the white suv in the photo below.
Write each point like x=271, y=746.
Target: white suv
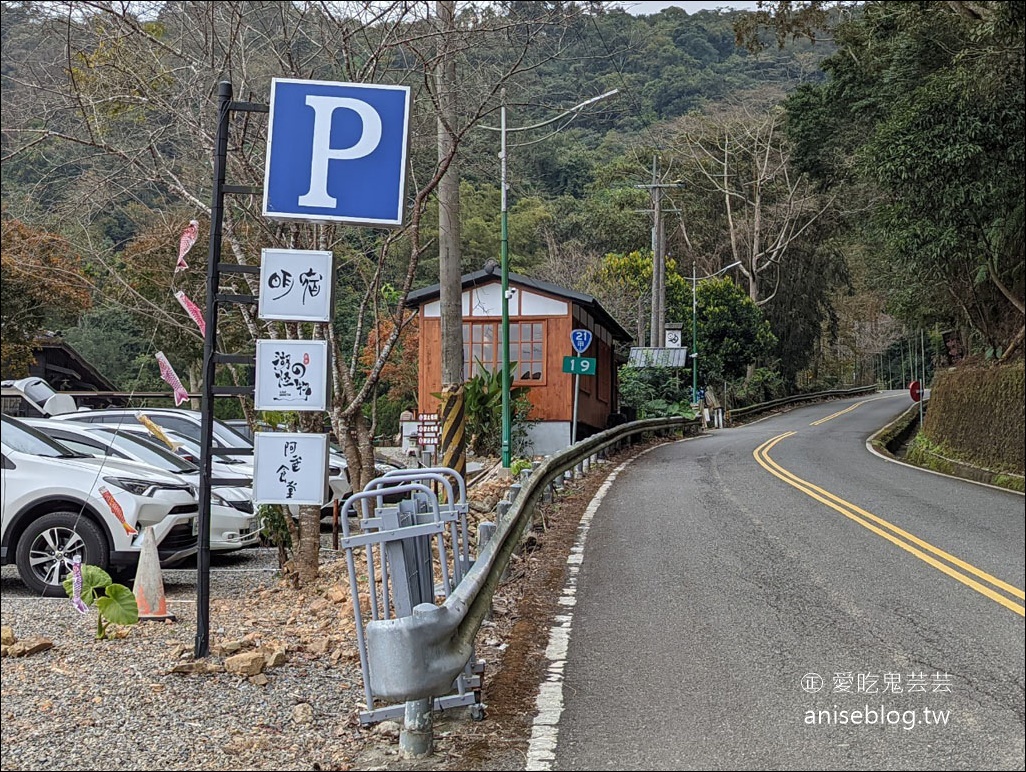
x=57, y=504
x=232, y=522
x=188, y=422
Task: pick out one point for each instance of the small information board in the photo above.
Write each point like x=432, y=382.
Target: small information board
x=579, y=365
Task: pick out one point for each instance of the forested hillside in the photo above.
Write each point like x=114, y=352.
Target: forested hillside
x=865, y=176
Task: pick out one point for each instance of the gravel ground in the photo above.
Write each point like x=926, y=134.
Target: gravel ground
x=114, y=704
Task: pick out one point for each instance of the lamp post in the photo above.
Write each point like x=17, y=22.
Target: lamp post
x=694, y=321
x=507, y=379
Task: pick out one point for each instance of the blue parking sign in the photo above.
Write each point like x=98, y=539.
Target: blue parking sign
x=580, y=340
x=336, y=152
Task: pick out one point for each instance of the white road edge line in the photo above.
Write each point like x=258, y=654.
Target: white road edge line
x=885, y=457
x=541, y=751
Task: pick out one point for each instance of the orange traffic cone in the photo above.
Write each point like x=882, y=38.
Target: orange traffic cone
x=149, y=585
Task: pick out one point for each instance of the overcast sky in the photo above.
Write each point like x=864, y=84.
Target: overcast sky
x=640, y=7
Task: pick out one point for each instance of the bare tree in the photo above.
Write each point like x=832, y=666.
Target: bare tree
x=740, y=156
x=125, y=111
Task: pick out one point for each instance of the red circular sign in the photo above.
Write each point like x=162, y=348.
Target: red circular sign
x=915, y=390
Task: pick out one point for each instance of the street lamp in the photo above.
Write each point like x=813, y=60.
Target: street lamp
x=504, y=256
x=694, y=321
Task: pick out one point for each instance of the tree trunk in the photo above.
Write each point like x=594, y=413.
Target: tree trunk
x=449, y=258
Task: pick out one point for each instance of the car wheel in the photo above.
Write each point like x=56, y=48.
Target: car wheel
x=47, y=546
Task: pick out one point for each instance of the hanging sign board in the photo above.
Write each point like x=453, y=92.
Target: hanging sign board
x=336, y=152
x=290, y=468
x=291, y=375
x=296, y=285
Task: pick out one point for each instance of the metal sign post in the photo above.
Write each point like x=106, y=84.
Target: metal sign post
x=580, y=340
x=211, y=356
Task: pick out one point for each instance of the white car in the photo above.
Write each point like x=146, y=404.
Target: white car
x=187, y=423
x=232, y=522
x=57, y=503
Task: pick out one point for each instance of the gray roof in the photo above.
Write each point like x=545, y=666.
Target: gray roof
x=478, y=278
x=658, y=357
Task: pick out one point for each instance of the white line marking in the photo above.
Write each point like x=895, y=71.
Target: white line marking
x=541, y=752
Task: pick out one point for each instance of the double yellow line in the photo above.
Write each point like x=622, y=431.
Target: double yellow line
x=849, y=409
x=897, y=536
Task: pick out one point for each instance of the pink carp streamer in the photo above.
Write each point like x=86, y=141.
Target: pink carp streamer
x=192, y=310
x=185, y=242
x=76, y=585
x=167, y=372
x=117, y=511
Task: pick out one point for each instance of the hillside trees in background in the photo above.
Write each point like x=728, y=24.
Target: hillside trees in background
x=921, y=122
x=764, y=207
x=623, y=284
x=42, y=283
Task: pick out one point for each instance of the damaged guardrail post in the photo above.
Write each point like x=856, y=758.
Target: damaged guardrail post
x=416, y=738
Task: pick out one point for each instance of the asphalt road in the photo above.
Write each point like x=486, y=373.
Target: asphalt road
x=727, y=619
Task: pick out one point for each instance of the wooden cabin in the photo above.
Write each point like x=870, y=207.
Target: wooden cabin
x=541, y=317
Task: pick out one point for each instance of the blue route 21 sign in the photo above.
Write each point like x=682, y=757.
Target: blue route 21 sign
x=336, y=152
x=580, y=340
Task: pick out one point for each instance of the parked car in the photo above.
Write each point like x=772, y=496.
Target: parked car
x=232, y=522
x=187, y=424
x=57, y=503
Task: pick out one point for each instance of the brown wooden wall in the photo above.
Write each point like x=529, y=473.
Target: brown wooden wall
x=551, y=398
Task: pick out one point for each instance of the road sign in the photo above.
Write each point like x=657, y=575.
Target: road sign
x=290, y=468
x=336, y=152
x=296, y=285
x=291, y=375
x=579, y=365
x=580, y=340
x=915, y=390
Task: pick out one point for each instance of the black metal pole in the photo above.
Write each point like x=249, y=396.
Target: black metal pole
x=224, y=98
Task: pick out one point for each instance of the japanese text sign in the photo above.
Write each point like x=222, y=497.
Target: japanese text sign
x=291, y=375
x=290, y=468
x=295, y=285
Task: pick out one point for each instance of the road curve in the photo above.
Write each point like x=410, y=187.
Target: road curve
x=777, y=597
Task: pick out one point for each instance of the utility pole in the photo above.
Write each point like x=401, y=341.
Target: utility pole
x=658, y=261
x=657, y=324
x=453, y=439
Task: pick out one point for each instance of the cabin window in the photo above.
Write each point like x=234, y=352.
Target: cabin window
x=482, y=349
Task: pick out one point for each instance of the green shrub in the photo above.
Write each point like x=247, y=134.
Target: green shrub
x=117, y=604
x=518, y=465
x=482, y=407
x=652, y=392
x=764, y=385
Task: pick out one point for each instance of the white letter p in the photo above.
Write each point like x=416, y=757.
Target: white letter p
x=323, y=152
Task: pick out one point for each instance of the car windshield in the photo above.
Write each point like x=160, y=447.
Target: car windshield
x=230, y=437
x=146, y=451
x=24, y=439
x=187, y=444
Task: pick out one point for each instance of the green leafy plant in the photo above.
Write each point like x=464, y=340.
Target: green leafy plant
x=116, y=606
x=518, y=465
x=482, y=407
x=654, y=392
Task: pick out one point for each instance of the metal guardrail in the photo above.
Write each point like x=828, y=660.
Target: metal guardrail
x=399, y=542
x=753, y=409
x=419, y=656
